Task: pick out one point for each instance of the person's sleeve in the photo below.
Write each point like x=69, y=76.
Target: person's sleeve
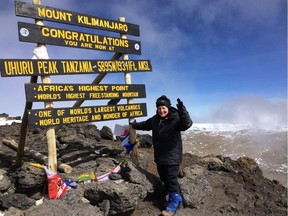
x=185, y=121
x=144, y=125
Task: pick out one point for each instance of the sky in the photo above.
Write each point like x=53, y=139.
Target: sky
x=225, y=59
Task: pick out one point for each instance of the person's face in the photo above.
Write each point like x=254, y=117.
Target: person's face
x=162, y=111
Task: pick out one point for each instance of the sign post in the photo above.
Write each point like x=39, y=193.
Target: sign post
x=23, y=129
x=40, y=65
x=50, y=133
x=28, y=105
x=127, y=75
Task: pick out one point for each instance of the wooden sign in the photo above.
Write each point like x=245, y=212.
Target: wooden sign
x=55, y=117
x=24, y=9
x=64, y=92
x=33, y=67
x=69, y=38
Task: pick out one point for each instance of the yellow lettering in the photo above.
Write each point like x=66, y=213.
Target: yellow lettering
x=130, y=94
x=136, y=113
x=55, y=88
x=143, y=66
x=100, y=47
x=48, y=97
x=96, y=117
x=52, y=14
x=75, y=119
x=18, y=67
x=86, y=45
x=77, y=66
x=47, y=67
x=120, y=88
x=109, y=95
x=104, y=109
x=73, y=96
x=49, y=122
x=128, y=107
x=111, y=116
x=107, y=24
x=70, y=37
x=80, y=111
x=94, y=95
x=93, y=87
x=110, y=66
x=44, y=113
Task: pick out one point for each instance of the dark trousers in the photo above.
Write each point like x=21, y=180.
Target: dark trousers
x=169, y=176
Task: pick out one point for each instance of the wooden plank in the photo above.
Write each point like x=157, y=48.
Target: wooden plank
x=23, y=129
x=45, y=67
x=63, y=37
x=52, y=14
x=65, y=92
x=62, y=116
x=35, y=155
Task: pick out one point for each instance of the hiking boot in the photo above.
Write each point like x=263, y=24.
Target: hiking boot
x=173, y=203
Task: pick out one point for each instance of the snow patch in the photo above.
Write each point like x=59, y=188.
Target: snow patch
x=4, y=121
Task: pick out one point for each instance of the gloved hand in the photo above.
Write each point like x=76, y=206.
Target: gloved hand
x=132, y=122
x=179, y=103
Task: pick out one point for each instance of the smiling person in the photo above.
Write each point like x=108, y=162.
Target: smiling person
x=166, y=126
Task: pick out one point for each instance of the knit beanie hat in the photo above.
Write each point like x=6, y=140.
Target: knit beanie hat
x=163, y=101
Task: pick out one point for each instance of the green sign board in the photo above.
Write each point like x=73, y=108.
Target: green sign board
x=24, y=9
x=63, y=37
x=65, y=92
x=62, y=116
x=44, y=67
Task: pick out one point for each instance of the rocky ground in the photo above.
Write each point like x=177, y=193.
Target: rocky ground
x=211, y=185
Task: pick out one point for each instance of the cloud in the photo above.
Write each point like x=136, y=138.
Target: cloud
x=189, y=45
x=158, y=38
x=257, y=11
x=256, y=111
x=229, y=21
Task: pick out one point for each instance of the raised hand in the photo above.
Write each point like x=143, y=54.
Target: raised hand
x=179, y=103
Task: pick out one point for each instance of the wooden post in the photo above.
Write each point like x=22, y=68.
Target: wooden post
x=127, y=76
x=50, y=133
x=24, y=123
x=23, y=130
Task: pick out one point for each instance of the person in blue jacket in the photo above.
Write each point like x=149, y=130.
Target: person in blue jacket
x=166, y=126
